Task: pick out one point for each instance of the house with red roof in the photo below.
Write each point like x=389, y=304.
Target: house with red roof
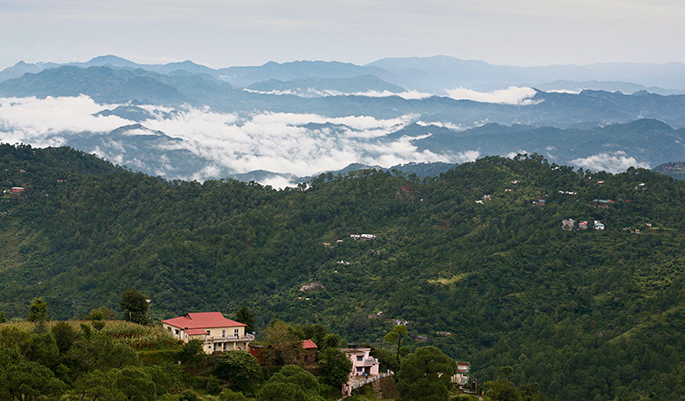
x=311, y=351
x=216, y=332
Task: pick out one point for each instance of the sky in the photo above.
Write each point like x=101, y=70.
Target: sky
x=224, y=33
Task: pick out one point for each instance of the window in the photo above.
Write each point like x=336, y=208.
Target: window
x=223, y=333
x=360, y=358
x=359, y=369
x=236, y=333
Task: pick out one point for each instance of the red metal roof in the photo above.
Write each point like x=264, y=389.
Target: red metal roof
x=194, y=332
x=202, y=320
x=309, y=344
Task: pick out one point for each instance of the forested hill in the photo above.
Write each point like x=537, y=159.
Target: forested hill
x=478, y=252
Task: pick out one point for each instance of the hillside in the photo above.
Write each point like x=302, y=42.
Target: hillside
x=478, y=252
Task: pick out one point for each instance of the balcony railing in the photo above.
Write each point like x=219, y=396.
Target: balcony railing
x=227, y=339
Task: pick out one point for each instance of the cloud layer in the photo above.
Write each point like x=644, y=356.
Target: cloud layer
x=299, y=144
x=511, y=95
x=615, y=162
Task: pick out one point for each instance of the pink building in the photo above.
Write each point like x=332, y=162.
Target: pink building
x=364, y=369
x=363, y=364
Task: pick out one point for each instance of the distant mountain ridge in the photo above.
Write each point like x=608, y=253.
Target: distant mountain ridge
x=188, y=121
x=431, y=74
x=105, y=84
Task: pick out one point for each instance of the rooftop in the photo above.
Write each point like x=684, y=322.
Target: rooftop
x=202, y=320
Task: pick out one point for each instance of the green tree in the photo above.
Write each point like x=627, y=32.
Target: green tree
x=425, y=375
x=282, y=345
x=38, y=311
x=336, y=367
x=3, y=319
x=507, y=371
x=298, y=376
x=395, y=337
x=99, y=352
x=135, y=307
x=239, y=367
x=243, y=315
x=65, y=335
x=97, y=385
x=31, y=381
x=501, y=390
x=192, y=352
x=102, y=313
x=42, y=349
x=229, y=395
x=282, y=392
x=315, y=332
x=330, y=340
x=87, y=330
x=136, y=384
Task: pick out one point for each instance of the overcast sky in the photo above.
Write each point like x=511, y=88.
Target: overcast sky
x=223, y=33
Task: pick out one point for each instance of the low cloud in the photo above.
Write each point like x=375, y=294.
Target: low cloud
x=468, y=156
x=278, y=182
x=310, y=92
x=448, y=125
x=223, y=143
x=36, y=117
x=512, y=155
x=512, y=95
x=616, y=162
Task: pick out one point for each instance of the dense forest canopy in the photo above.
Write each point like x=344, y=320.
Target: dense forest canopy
x=475, y=260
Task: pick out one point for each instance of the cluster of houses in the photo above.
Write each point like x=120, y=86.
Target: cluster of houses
x=570, y=225
x=219, y=334
x=363, y=237
x=315, y=286
x=396, y=322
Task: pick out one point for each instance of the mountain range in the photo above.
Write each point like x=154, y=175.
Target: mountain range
x=430, y=74
x=574, y=279
x=282, y=122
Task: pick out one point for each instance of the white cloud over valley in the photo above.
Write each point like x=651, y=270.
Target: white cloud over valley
x=278, y=142
x=511, y=95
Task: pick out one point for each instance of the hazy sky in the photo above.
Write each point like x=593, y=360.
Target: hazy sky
x=223, y=33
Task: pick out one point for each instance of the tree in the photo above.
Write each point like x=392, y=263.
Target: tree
x=136, y=384
x=336, y=367
x=281, y=392
x=501, y=390
x=97, y=385
x=298, y=376
x=192, y=352
x=330, y=340
x=65, y=335
x=102, y=313
x=283, y=346
x=243, y=315
x=425, y=375
x=315, y=332
x=31, y=381
x=98, y=352
x=135, y=307
x=238, y=367
x=3, y=319
x=229, y=395
x=395, y=337
x=42, y=349
x=38, y=311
